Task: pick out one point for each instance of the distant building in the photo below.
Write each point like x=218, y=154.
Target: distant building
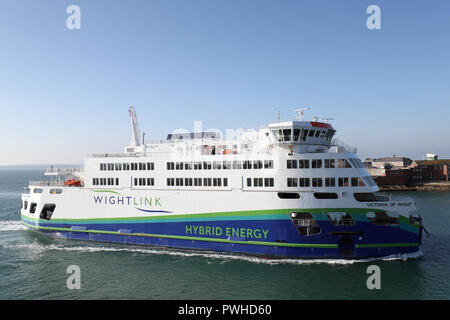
x=404, y=171
x=394, y=177
x=376, y=172
x=391, y=162
x=431, y=156
x=429, y=170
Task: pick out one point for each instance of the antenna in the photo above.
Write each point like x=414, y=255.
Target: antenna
x=135, y=133
x=279, y=116
x=327, y=119
x=300, y=113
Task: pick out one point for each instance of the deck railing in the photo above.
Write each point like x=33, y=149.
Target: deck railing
x=343, y=146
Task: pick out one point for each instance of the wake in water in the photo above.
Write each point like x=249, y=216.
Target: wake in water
x=12, y=225
x=225, y=257
x=10, y=195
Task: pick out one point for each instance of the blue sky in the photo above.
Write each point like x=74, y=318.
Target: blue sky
x=232, y=64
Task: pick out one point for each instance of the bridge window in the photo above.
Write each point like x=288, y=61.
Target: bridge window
x=296, y=134
x=55, y=191
x=287, y=135
x=303, y=135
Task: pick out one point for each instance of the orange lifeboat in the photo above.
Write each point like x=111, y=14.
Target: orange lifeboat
x=229, y=151
x=72, y=183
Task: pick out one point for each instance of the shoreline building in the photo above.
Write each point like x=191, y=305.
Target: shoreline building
x=404, y=171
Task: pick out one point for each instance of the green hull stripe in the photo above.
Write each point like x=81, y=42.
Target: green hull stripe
x=107, y=191
x=386, y=245
x=281, y=214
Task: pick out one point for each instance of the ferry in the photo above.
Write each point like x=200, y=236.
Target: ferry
x=288, y=189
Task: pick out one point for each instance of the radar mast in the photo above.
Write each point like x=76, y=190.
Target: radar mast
x=300, y=112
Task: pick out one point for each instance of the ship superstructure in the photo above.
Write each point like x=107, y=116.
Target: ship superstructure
x=288, y=189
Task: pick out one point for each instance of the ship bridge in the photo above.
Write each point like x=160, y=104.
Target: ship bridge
x=303, y=132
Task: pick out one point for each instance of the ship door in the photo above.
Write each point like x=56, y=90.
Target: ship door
x=346, y=247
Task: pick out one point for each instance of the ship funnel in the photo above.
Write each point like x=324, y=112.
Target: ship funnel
x=135, y=133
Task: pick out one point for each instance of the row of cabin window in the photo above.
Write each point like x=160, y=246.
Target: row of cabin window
x=261, y=182
x=325, y=182
x=302, y=134
x=52, y=191
x=216, y=165
x=105, y=181
x=197, y=182
x=219, y=149
x=318, y=163
x=127, y=166
x=144, y=181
